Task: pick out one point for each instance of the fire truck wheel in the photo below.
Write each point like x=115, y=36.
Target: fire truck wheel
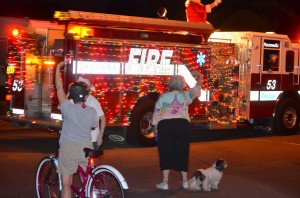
x=287, y=117
x=141, y=130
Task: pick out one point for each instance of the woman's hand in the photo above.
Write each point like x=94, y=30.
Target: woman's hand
x=198, y=77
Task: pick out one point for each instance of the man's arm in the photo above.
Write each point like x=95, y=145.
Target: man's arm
x=59, y=84
x=102, y=127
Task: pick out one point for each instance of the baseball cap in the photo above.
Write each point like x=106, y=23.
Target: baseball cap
x=86, y=81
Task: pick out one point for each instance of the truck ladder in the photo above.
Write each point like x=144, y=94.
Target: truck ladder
x=133, y=22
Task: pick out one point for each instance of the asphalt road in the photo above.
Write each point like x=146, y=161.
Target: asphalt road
x=259, y=164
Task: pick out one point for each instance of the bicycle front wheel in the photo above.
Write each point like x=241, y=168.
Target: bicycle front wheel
x=105, y=183
x=47, y=179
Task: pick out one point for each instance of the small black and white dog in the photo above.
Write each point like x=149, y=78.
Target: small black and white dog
x=209, y=178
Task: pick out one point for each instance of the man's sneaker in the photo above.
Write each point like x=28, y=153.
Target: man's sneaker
x=163, y=185
x=184, y=184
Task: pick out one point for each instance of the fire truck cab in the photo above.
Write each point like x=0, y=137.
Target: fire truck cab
x=268, y=78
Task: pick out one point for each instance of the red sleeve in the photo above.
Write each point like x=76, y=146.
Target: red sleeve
x=195, y=12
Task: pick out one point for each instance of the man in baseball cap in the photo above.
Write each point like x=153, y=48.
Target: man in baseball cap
x=97, y=135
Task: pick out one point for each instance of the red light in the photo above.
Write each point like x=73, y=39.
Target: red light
x=8, y=97
x=15, y=32
x=92, y=161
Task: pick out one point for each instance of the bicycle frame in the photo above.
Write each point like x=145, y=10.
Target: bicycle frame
x=84, y=175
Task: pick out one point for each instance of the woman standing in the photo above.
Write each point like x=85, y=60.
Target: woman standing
x=171, y=122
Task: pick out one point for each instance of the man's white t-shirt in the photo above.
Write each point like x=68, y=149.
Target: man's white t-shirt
x=91, y=101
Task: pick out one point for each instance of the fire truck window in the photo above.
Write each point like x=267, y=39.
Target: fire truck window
x=289, y=62
x=271, y=60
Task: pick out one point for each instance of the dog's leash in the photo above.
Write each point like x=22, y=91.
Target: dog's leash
x=205, y=162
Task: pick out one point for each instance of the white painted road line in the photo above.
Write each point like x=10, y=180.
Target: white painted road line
x=296, y=144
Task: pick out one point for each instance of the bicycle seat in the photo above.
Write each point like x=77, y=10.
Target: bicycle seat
x=92, y=153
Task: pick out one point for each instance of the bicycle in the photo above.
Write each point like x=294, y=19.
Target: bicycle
x=101, y=181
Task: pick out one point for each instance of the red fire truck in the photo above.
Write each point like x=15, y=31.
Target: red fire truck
x=248, y=76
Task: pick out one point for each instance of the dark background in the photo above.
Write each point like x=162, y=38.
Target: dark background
x=280, y=16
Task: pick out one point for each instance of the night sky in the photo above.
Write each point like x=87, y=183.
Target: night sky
x=280, y=16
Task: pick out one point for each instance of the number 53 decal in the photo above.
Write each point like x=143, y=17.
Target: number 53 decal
x=271, y=84
x=17, y=85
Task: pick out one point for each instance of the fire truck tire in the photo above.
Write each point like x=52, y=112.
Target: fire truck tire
x=141, y=130
x=287, y=117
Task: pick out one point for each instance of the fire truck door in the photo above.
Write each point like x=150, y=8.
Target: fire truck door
x=265, y=78
x=272, y=68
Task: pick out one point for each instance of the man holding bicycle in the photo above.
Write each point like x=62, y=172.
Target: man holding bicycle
x=79, y=119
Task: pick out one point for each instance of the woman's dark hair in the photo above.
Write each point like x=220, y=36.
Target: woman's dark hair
x=78, y=91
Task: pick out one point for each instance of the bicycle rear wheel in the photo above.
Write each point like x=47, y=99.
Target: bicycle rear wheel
x=47, y=179
x=105, y=184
